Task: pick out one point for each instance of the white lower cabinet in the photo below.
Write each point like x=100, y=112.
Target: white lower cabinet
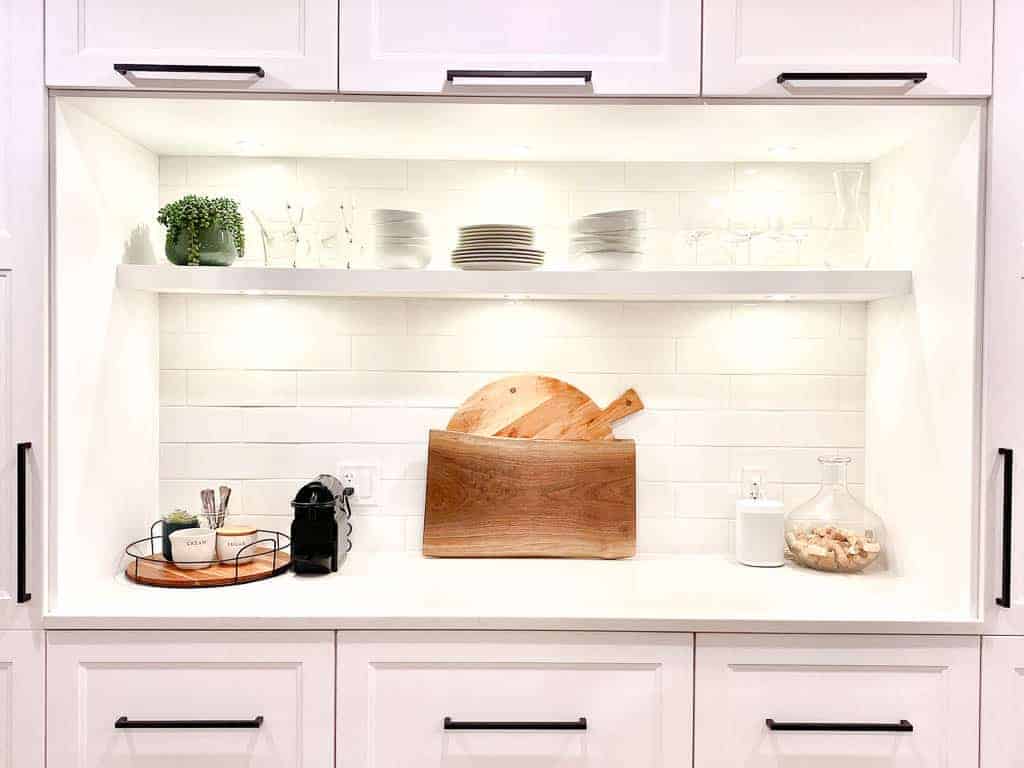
x=820, y=689
x=1002, y=701
x=22, y=676
x=144, y=699
x=530, y=700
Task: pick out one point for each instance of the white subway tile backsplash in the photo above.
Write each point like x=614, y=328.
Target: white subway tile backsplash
x=241, y=349
x=201, y=425
x=173, y=387
x=322, y=173
x=241, y=388
x=680, y=177
x=265, y=392
x=573, y=176
x=173, y=170
x=296, y=425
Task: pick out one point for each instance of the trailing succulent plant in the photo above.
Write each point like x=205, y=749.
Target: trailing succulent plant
x=180, y=516
x=194, y=213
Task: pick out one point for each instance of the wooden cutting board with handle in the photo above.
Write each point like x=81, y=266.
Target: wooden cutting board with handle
x=540, y=407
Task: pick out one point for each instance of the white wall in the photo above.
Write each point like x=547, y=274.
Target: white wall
x=262, y=393
x=922, y=357
x=105, y=348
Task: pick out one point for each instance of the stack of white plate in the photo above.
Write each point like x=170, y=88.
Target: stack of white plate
x=610, y=240
x=400, y=239
x=496, y=247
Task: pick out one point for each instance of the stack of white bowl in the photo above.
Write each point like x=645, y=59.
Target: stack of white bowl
x=610, y=239
x=400, y=239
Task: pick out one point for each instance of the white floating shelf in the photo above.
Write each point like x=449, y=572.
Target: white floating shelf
x=676, y=285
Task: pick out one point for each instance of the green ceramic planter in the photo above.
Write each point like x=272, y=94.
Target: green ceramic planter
x=216, y=248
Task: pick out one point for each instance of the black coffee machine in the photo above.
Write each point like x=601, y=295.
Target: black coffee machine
x=321, y=528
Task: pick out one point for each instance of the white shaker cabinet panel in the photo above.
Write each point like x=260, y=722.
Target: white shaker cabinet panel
x=295, y=43
x=530, y=700
x=143, y=699
x=409, y=46
x=22, y=689
x=919, y=694
x=1004, y=318
x=1002, y=701
x=24, y=241
x=749, y=43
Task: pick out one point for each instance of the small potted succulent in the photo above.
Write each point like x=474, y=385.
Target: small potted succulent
x=176, y=521
x=204, y=231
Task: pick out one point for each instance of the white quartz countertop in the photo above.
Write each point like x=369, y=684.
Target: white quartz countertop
x=403, y=591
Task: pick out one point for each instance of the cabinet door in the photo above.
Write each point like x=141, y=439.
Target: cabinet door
x=646, y=46
x=22, y=687
x=198, y=699
x=1004, y=318
x=749, y=43
x=914, y=699
x=23, y=264
x=524, y=699
x=295, y=43
x=1002, y=700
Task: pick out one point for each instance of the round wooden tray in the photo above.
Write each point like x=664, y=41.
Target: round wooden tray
x=148, y=566
x=157, y=572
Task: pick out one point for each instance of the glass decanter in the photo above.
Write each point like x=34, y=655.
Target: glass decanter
x=833, y=531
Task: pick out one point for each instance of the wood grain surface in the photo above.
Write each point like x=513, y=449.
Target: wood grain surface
x=156, y=572
x=541, y=407
x=507, y=497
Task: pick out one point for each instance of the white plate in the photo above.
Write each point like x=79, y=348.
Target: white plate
x=487, y=237
x=496, y=266
x=485, y=254
x=496, y=228
x=498, y=250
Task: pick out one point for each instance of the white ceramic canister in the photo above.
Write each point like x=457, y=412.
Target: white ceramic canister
x=194, y=548
x=231, y=539
x=760, y=528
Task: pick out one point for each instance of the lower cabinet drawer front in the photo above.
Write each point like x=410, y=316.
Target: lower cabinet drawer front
x=160, y=679
x=805, y=682
x=395, y=690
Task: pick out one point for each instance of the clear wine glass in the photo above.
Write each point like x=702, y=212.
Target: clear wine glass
x=693, y=239
x=743, y=229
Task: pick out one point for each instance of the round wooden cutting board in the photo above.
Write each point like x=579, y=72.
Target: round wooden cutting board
x=539, y=407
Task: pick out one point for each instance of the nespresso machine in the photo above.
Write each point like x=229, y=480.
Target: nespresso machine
x=321, y=528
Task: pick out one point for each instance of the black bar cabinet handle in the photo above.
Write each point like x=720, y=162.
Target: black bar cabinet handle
x=23, y=594
x=124, y=722
x=515, y=725
x=538, y=74
x=915, y=77
x=1007, y=454
x=903, y=726
x=202, y=69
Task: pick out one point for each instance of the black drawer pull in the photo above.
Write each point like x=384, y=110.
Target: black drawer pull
x=515, y=725
x=23, y=594
x=1007, y=454
x=201, y=69
x=903, y=726
x=124, y=722
x=914, y=77
x=535, y=74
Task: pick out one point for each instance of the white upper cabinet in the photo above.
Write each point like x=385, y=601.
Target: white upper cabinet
x=410, y=46
x=1004, y=317
x=23, y=259
x=294, y=44
x=749, y=43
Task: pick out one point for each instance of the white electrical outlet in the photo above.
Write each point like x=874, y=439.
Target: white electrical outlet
x=361, y=477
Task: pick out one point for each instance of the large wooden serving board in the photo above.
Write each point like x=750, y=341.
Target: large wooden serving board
x=157, y=572
x=508, y=497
